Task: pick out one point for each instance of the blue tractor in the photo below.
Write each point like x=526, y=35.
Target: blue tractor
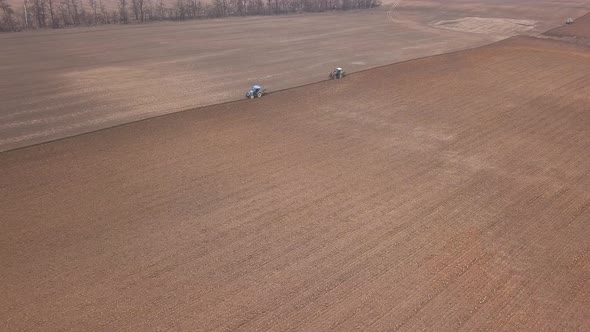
x=256, y=92
x=337, y=73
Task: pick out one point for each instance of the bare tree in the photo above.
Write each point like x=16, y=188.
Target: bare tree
x=135, y=8
x=94, y=6
x=123, y=15
x=62, y=10
x=195, y=8
x=8, y=21
x=255, y=7
x=26, y=14
x=39, y=12
x=238, y=7
x=105, y=17
x=56, y=13
x=160, y=10
x=140, y=5
x=52, y=15
x=219, y=8
x=74, y=11
x=180, y=10
x=114, y=16
x=148, y=8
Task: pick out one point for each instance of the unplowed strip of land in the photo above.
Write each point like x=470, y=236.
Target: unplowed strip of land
x=444, y=193
x=55, y=84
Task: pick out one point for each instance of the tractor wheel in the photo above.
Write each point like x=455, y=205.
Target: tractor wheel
x=259, y=94
x=251, y=96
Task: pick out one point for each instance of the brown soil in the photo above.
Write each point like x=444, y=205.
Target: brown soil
x=61, y=83
x=441, y=194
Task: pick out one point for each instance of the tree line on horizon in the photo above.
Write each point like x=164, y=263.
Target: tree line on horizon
x=55, y=14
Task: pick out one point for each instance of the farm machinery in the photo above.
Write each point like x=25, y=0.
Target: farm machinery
x=337, y=73
x=256, y=92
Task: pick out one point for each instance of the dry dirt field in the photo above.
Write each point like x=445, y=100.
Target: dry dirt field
x=61, y=83
x=446, y=193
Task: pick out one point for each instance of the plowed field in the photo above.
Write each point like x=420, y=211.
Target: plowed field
x=444, y=193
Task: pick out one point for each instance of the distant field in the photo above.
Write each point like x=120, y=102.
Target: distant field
x=61, y=83
x=442, y=194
